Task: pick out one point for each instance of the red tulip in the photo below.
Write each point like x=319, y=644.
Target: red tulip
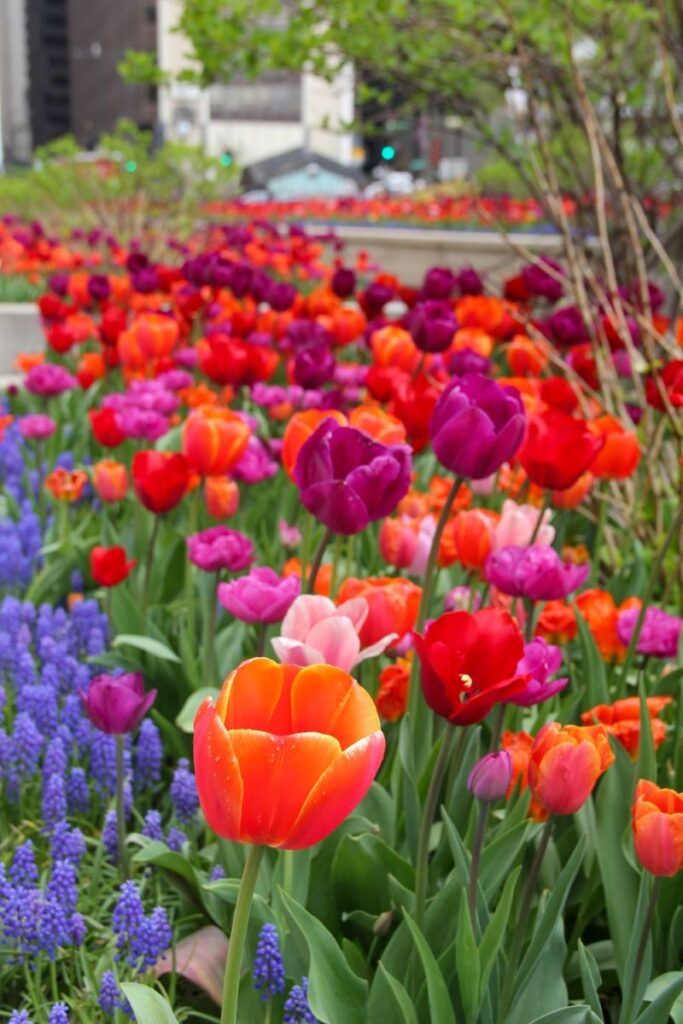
x=565, y=763
x=160, y=479
x=558, y=449
x=104, y=424
x=658, y=828
x=109, y=567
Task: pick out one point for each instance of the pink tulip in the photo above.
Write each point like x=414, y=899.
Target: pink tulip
x=425, y=536
x=316, y=631
x=516, y=526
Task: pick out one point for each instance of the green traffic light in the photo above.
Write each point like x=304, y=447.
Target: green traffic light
x=131, y=166
x=226, y=160
x=388, y=152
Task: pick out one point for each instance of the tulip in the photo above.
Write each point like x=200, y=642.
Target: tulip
x=432, y=326
x=622, y=720
x=620, y=454
x=37, y=427
x=109, y=566
x=392, y=605
x=467, y=538
x=106, y=427
x=539, y=282
x=65, y=485
x=558, y=449
x=378, y=424
x=599, y=610
x=160, y=479
x=565, y=764
x=218, y=548
x=398, y=541
x=48, y=380
x=476, y=426
x=539, y=662
x=299, y=429
x=536, y=573
x=347, y=480
x=316, y=630
x=671, y=382
x=660, y=633
x=117, y=704
x=314, y=366
x=657, y=817
x=262, y=596
x=110, y=480
x=222, y=496
x=285, y=753
x=557, y=622
x=490, y=777
x=392, y=696
x=214, y=440
x=518, y=524
x=469, y=663
x=343, y=282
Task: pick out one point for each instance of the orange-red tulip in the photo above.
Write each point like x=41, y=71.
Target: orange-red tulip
x=556, y=623
x=393, y=604
x=393, y=346
x=565, y=763
x=214, y=440
x=392, y=696
x=657, y=816
x=620, y=454
x=286, y=753
x=398, y=541
x=600, y=612
x=622, y=720
x=66, y=486
x=468, y=538
x=300, y=428
x=110, y=480
x=222, y=496
x=378, y=423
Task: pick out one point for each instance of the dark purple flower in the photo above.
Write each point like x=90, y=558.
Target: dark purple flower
x=476, y=426
x=117, y=704
x=145, y=280
x=314, y=366
x=375, y=298
x=540, y=662
x=535, y=572
x=438, y=283
x=343, y=282
x=489, y=779
x=59, y=284
x=540, y=283
x=466, y=360
x=347, y=480
x=565, y=326
x=219, y=547
x=281, y=296
x=469, y=282
x=262, y=596
x=660, y=635
x=432, y=325
x=99, y=288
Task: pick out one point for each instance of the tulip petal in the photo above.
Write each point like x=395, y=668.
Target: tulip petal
x=337, y=792
x=377, y=648
x=337, y=641
x=356, y=609
x=219, y=782
x=279, y=773
x=565, y=777
x=256, y=689
x=303, y=614
x=293, y=652
x=325, y=699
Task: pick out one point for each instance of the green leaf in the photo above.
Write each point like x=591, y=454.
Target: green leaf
x=492, y=938
x=551, y=914
x=467, y=961
x=440, y=1007
x=149, y=1006
x=334, y=990
x=667, y=1003
x=569, y=1015
x=633, y=1003
x=146, y=644
x=593, y=665
x=389, y=1002
x=647, y=759
x=186, y=716
x=590, y=979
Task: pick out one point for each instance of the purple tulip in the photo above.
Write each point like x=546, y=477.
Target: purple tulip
x=540, y=283
x=255, y=465
x=99, y=288
x=219, y=547
x=37, y=427
x=540, y=662
x=261, y=596
x=469, y=282
x=59, y=284
x=565, y=326
x=48, y=380
x=314, y=366
x=536, y=572
x=432, y=326
x=343, y=282
x=660, y=635
x=466, y=360
x=375, y=298
x=438, y=283
x=489, y=779
x=145, y=280
x=347, y=480
x=476, y=426
x=117, y=704
x=281, y=296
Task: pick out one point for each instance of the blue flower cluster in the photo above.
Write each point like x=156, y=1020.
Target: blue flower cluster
x=297, y=1010
x=141, y=938
x=20, y=534
x=268, y=970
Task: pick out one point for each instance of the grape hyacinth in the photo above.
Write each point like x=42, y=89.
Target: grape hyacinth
x=183, y=792
x=268, y=971
x=297, y=1010
x=59, y=1014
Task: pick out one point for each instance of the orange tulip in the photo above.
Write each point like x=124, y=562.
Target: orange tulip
x=468, y=538
x=574, y=495
x=526, y=356
x=214, y=440
x=600, y=612
x=657, y=816
x=565, y=763
x=556, y=623
x=393, y=604
x=620, y=454
x=222, y=496
x=484, y=311
x=286, y=753
x=378, y=423
x=300, y=428
x=110, y=480
x=472, y=338
x=622, y=720
x=392, y=697
x=392, y=346
x=518, y=746
x=323, y=581
x=66, y=486
x=150, y=336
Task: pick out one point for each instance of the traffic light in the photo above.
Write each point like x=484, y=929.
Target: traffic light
x=226, y=160
x=131, y=166
x=388, y=152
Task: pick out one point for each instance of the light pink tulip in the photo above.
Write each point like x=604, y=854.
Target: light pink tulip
x=516, y=526
x=316, y=631
x=424, y=542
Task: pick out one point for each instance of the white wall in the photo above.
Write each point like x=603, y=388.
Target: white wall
x=251, y=141
x=326, y=106
x=14, y=105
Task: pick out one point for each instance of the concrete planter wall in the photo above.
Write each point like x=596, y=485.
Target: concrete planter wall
x=20, y=331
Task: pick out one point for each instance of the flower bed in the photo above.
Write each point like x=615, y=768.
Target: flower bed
x=340, y=618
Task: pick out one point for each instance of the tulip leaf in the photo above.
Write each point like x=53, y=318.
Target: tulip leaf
x=665, y=995
x=550, y=915
x=593, y=665
x=149, y=1006
x=467, y=961
x=389, y=1002
x=499, y=857
x=569, y=1015
x=334, y=989
x=186, y=716
x=634, y=998
x=590, y=979
x=440, y=1006
x=492, y=938
x=147, y=644
x=647, y=759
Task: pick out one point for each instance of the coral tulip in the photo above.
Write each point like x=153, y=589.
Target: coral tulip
x=214, y=440
x=110, y=480
x=565, y=764
x=468, y=538
x=620, y=454
x=222, y=496
x=622, y=720
x=657, y=816
x=393, y=605
x=285, y=753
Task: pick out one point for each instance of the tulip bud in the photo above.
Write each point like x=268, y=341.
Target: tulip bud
x=489, y=779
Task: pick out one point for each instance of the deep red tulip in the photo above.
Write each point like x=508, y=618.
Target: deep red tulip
x=558, y=449
x=109, y=566
x=160, y=479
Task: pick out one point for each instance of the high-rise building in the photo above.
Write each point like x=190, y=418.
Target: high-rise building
x=47, y=24
x=15, y=116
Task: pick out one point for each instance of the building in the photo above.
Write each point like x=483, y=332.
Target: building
x=15, y=115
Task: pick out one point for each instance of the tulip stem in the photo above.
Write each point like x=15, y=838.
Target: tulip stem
x=629, y=1008
x=210, y=671
x=477, y=845
x=539, y=521
x=317, y=560
x=520, y=928
x=149, y=559
x=238, y=933
x=261, y=638
x=121, y=805
x=422, y=862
